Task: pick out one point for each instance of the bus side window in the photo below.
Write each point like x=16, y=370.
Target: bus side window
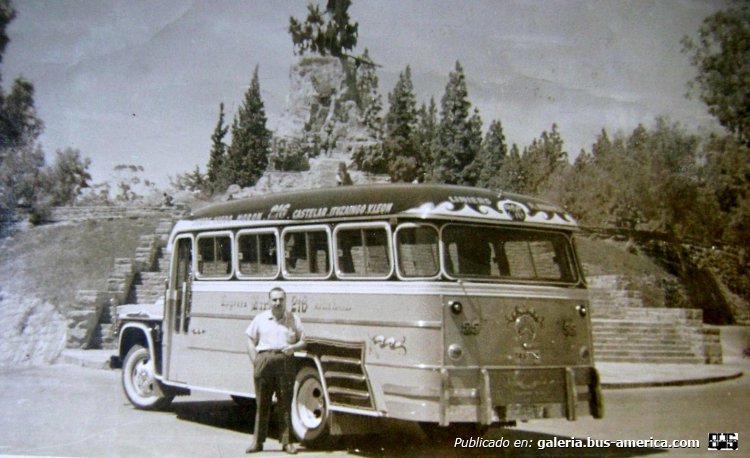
x=417, y=249
x=306, y=253
x=363, y=252
x=214, y=256
x=257, y=254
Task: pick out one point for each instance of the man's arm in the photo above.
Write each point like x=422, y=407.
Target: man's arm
x=300, y=344
x=252, y=340
x=252, y=350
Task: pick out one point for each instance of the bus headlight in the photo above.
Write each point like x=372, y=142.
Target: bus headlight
x=455, y=352
x=456, y=307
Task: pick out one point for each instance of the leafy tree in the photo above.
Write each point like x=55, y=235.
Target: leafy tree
x=216, y=176
x=20, y=178
x=727, y=171
x=21, y=161
x=491, y=157
x=247, y=157
x=19, y=124
x=459, y=133
x=329, y=32
x=68, y=176
x=400, y=125
x=7, y=14
x=721, y=57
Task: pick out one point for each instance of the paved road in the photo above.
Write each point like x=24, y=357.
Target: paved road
x=71, y=411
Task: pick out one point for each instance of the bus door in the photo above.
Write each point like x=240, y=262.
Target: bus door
x=208, y=346
x=178, y=309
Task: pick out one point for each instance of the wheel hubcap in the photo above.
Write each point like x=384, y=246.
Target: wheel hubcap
x=143, y=378
x=311, y=404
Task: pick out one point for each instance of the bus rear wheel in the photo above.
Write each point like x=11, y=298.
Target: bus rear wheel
x=310, y=409
x=139, y=381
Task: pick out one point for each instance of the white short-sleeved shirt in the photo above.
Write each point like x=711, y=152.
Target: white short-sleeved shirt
x=268, y=333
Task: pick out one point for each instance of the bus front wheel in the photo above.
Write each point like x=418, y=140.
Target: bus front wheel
x=139, y=382
x=310, y=408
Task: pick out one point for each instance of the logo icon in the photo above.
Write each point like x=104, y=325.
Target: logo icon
x=723, y=441
x=515, y=211
x=526, y=323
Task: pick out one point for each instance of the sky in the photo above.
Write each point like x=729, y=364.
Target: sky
x=140, y=82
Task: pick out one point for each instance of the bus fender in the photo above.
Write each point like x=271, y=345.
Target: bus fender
x=133, y=333
x=303, y=358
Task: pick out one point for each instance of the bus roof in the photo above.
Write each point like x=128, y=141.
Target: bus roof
x=423, y=201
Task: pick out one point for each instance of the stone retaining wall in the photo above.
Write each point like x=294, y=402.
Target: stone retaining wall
x=84, y=213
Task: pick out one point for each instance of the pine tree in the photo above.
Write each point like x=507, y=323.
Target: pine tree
x=512, y=177
x=542, y=159
x=489, y=162
x=369, y=100
x=216, y=175
x=335, y=36
x=247, y=157
x=459, y=134
x=400, y=126
x=427, y=126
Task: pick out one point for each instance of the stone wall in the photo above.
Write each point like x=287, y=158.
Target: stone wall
x=84, y=213
x=84, y=317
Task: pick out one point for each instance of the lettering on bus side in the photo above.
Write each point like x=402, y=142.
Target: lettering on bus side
x=299, y=304
x=279, y=211
x=256, y=304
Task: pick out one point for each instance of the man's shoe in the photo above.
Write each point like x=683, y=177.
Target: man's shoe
x=254, y=448
x=291, y=449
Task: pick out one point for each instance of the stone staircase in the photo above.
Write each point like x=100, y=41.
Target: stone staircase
x=624, y=330
x=147, y=273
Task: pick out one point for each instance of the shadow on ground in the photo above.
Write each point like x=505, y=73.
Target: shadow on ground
x=405, y=438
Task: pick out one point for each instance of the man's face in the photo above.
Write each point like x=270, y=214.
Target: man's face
x=278, y=303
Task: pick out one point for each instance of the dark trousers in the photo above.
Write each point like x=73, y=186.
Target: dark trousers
x=274, y=373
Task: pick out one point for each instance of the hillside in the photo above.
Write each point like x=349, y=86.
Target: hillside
x=657, y=287
x=53, y=262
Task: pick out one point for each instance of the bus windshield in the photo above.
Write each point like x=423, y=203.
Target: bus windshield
x=494, y=253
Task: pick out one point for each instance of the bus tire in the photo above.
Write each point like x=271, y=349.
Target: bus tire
x=310, y=409
x=141, y=387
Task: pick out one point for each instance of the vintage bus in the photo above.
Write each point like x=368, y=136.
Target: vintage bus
x=444, y=305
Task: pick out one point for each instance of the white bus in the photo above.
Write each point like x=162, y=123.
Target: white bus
x=443, y=305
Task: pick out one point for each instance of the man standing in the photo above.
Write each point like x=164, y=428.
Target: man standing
x=272, y=338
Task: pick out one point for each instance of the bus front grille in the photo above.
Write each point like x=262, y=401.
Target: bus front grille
x=344, y=372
